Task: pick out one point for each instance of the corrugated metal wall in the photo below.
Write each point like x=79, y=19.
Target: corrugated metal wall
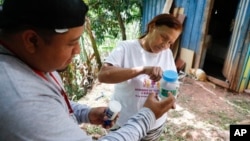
x=151, y=8
x=245, y=78
x=193, y=34
x=235, y=68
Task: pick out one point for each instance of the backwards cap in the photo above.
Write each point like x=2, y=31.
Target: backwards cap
x=49, y=14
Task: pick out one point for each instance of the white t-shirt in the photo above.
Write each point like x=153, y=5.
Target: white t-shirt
x=133, y=92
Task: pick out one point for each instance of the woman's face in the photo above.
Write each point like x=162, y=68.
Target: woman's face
x=161, y=38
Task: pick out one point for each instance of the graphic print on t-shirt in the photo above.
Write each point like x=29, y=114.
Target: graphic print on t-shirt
x=145, y=87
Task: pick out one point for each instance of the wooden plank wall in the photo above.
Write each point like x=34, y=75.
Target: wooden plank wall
x=194, y=10
x=193, y=35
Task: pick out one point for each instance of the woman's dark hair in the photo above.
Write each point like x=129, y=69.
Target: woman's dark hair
x=163, y=20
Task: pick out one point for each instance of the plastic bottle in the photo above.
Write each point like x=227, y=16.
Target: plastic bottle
x=113, y=109
x=169, y=83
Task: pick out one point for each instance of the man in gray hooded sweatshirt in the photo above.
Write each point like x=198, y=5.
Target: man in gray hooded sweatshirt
x=38, y=37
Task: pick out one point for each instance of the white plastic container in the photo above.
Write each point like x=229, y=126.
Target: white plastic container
x=114, y=108
x=169, y=83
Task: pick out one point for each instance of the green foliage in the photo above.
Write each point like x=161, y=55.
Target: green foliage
x=107, y=30
x=79, y=77
x=71, y=82
x=104, y=16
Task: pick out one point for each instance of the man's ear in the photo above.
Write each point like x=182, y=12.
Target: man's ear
x=30, y=40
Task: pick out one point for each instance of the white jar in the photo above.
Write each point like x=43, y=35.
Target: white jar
x=169, y=83
x=113, y=109
x=111, y=112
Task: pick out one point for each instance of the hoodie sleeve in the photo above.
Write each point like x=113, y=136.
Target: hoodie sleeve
x=136, y=127
x=81, y=112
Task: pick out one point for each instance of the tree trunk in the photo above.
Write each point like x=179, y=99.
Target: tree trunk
x=121, y=24
x=93, y=42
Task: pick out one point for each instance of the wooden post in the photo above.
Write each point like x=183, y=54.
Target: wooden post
x=167, y=6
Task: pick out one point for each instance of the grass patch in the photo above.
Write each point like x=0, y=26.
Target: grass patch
x=175, y=114
x=243, y=104
x=221, y=119
x=94, y=130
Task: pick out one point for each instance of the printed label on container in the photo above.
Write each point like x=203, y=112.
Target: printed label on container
x=109, y=114
x=164, y=92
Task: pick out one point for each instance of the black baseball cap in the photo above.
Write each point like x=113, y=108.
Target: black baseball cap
x=59, y=15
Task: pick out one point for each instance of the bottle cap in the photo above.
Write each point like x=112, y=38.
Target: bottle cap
x=170, y=75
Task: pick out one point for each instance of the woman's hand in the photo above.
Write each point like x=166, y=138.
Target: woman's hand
x=154, y=72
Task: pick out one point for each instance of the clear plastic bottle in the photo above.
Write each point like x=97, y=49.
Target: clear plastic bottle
x=169, y=83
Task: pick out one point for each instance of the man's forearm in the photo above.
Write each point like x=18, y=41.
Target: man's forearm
x=136, y=127
x=81, y=112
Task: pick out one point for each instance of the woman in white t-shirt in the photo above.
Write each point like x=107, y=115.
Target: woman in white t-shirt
x=136, y=66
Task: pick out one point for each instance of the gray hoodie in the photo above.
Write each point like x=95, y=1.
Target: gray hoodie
x=33, y=109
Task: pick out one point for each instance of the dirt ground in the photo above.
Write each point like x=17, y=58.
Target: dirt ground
x=204, y=111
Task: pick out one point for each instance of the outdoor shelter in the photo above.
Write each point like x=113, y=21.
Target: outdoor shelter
x=216, y=37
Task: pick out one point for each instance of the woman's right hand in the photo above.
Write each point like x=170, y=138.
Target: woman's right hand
x=154, y=72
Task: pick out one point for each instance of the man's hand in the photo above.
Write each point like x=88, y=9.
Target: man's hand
x=159, y=107
x=97, y=116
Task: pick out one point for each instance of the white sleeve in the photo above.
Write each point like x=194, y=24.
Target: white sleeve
x=116, y=57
